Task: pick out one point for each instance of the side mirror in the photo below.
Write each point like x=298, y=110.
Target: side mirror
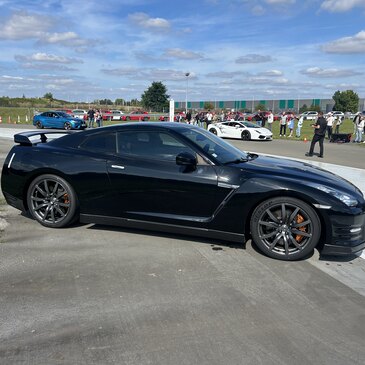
x=186, y=159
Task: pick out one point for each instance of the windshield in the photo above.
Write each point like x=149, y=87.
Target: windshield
x=218, y=149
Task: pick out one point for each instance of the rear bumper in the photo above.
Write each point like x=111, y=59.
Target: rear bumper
x=14, y=202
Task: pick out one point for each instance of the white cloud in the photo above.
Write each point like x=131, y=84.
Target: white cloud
x=143, y=20
x=341, y=5
x=253, y=58
x=354, y=44
x=258, y=10
x=271, y=73
x=181, y=54
x=328, y=73
x=23, y=25
x=47, y=58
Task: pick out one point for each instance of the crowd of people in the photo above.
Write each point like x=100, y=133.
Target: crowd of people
x=94, y=116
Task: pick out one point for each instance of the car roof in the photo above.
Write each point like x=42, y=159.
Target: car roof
x=72, y=140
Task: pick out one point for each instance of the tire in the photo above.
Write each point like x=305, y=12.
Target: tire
x=67, y=126
x=39, y=125
x=212, y=130
x=145, y=119
x=128, y=118
x=52, y=201
x=245, y=135
x=285, y=228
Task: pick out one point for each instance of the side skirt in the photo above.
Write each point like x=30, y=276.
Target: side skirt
x=162, y=227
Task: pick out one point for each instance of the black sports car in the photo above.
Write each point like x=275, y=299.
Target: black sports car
x=179, y=178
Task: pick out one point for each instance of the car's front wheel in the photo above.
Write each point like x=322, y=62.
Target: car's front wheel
x=285, y=228
x=67, y=125
x=52, y=201
x=245, y=135
x=213, y=130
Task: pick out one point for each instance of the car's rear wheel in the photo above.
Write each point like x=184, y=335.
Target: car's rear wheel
x=285, y=228
x=67, y=125
x=52, y=201
x=128, y=118
x=39, y=125
x=212, y=130
x=245, y=135
x=145, y=119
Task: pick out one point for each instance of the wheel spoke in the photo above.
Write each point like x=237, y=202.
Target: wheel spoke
x=283, y=212
x=272, y=216
x=286, y=244
x=37, y=187
x=276, y=240
x=292, y=216
x=305, y=223
x=269, y=224
x=46, y=186
x=46, y=213
x=60, y=211
x=41, y=206
x=52, y=215
x=295, y=243
x=301, y=233
x=65, y=205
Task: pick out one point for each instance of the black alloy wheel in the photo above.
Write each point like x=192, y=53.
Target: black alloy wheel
x=39, y=125
x=285, y=228
x=245, y=135
x=212, y=130
x=67, y=126
x=52, y=201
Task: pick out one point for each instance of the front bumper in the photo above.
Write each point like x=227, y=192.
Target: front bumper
x=348, y=235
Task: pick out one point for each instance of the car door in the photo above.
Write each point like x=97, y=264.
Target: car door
x=148, y=184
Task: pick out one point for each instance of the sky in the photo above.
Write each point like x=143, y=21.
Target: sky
x=87, y=50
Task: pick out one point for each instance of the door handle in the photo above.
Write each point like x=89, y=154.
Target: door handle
x=118, y=167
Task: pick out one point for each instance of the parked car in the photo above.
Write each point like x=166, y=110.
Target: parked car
x=136, y=115
x=56, y=119
x=116, y=114
x=310, y=115
x=181, y=179
x=166, y=117
x=67, y=111
x=242, y=130
x=79, y=113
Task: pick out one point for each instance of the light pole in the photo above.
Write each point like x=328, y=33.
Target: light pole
x=186, y=95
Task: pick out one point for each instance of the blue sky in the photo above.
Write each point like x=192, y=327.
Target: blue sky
x=233, y=49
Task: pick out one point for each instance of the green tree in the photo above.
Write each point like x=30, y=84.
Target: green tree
x=48, y=96
x=303, y=108
x=208, y=105
x=315, y=108
x=155, y=97
x=260, y=107
x=346, y=101
x=119, y=101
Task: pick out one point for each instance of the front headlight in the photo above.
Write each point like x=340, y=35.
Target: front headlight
x=348, y=200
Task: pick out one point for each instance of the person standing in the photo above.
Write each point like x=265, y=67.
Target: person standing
x=270, y=120
x=319, y=134
x=282, y=125
x=330, y=120
x=188, y=117
x=338, y=123
x=90, y=117
x=209, y=118
x=359, y=129
x=299, y=126
x=291, y=123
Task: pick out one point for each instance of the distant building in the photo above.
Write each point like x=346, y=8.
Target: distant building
x=276, y=106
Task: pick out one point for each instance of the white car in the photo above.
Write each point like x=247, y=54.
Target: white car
x=117, y=114
x=79, y=113
x=310, y=115
x=242, y=130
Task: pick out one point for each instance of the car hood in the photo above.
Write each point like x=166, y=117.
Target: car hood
x=299, y=171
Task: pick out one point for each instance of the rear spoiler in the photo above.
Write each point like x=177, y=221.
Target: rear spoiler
x=25, y=138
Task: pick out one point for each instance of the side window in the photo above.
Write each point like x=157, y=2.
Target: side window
x=101, y=143
x=151, y=145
